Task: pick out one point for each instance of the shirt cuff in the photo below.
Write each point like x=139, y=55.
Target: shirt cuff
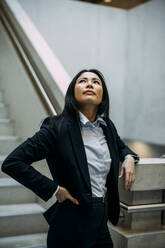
x=131, y=155
x=54, y=194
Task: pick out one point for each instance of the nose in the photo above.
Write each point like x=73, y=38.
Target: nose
x=89, y=84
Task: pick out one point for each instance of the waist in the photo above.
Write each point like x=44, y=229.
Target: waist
x=98, y=199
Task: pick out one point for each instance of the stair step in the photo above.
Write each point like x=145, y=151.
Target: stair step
x=19, y=209
x=22, y=224
x=12, y=192
x=6, y=126
x=37, y=240
x=19, y=219
x=2, y=174
x=8, y=144
x=3, y=110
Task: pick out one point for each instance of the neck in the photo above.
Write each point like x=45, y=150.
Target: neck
x=90, y=113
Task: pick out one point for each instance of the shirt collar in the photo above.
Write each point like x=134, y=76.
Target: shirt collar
x=85, y=122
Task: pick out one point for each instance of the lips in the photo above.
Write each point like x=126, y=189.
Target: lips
x=90, y=92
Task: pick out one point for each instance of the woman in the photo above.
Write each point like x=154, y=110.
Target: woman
x=83, y=151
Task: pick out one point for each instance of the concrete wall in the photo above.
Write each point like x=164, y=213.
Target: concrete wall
x=84, y=35
x=127, y=46
x=145, y=82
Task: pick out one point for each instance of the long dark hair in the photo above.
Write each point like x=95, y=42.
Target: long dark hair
x=71, y=106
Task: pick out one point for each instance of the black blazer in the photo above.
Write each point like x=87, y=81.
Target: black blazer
x=62, y=146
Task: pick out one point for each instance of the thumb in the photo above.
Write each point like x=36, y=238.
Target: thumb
x=74, y=200
x=122, y=172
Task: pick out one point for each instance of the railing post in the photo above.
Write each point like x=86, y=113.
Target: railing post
x=141, y=221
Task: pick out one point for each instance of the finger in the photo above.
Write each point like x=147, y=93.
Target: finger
x=122, y=172
x=132, y=177
x=74, y=200
x=127, y=180
x=62, y=199
x=70, y=197
x=130, y=180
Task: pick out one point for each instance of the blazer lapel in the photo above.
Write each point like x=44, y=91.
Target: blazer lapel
x=79, y=151
x=109, y=139
x=111, y=145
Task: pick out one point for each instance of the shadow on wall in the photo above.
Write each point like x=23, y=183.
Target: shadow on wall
x=146, y=150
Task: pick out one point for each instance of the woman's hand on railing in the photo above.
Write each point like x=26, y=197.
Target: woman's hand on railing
x=128, y=168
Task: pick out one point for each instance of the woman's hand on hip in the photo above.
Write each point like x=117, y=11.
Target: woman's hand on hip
x=128, y=168
x=63, y=194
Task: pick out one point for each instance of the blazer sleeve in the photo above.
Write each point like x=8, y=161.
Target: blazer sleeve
x=18, y=163
x=123, y=149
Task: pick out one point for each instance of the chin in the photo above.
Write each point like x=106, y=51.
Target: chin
x=89, y=102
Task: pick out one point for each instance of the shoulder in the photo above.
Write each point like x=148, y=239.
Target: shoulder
x=55, y=123
x=111, y=125
x=49, y=120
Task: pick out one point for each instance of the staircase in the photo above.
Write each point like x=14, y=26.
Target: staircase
x=21, y=221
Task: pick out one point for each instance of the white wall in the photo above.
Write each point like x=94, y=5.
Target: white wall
x=145, y=83
x=127, y=46
x=84, y=35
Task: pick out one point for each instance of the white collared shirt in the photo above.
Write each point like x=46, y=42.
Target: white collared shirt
x=97, y=153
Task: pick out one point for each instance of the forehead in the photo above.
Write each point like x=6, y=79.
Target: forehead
x=89, y=75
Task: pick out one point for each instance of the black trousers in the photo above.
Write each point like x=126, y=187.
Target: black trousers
x=75, y=228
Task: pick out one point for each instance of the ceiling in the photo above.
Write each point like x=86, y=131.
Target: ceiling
x=124, y=4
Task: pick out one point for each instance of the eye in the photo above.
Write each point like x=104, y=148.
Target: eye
x=96, y=82
x=82, y=81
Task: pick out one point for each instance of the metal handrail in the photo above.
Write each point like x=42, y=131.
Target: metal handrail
x=41, y=92
x=143, y=207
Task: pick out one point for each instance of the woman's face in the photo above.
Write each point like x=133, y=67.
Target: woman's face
x=88, y=89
